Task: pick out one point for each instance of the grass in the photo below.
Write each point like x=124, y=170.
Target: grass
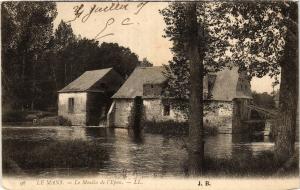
x=17, y=116
x=44, y=155
x=14, y=116
x=33, y=117
x=173, y=128
x=263, y=164
x=53, y=121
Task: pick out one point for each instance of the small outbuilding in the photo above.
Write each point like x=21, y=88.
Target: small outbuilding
x=86, y=100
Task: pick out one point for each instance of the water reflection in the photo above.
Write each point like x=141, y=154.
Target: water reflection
x=122, y=150
x=136, y=136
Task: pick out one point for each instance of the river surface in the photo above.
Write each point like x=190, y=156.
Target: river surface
x=146, y=154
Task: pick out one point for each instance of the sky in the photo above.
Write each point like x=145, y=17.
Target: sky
x=138, y=26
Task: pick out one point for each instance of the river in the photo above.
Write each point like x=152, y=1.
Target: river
x=118, y=151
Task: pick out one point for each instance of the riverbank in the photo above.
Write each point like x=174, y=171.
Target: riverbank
x=59, y=154
x=33, y=118
x=263, y=164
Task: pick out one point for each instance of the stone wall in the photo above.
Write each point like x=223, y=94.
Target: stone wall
x=122, y=111
x=78, y=117
x=154, y=108
x=220, y=117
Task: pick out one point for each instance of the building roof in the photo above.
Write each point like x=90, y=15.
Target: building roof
x=225, y=87
x=85, y=81
x=133, y=86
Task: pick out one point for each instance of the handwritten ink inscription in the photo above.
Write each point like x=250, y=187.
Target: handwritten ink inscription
x=83, y=13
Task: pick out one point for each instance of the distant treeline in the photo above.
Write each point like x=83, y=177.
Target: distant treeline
x=37, y=60
x=264, y=99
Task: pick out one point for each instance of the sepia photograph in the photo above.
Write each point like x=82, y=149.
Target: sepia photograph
x=149, y=95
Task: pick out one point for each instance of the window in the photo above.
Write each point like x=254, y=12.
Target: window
x=166, y=110
x=71, y=105
x=151, y=85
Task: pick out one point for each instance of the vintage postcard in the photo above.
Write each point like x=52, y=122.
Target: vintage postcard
x=149, y=95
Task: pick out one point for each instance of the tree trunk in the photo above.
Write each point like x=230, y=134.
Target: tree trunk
x=288, y=102
x=54, y=74
x=23, y=76
x=196, y=143
x=65, y=72
x=34, y=82
x=286, y=123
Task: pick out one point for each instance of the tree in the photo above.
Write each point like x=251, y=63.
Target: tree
x=63, y=37
x=195, y=43
x=266, y=35
x=288, y=96
x=260, y=38
x=122, y=59
x=263, y=99
x=36, y=62
x=69, y=59
x=197, y=51
x=83, y=54
x=145, y=63
x=24, y=42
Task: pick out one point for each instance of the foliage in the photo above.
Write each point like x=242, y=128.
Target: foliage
x=249, y=35
x=170, y=128
x=63, y=36
x=260, y=38
x=145, y=63
x=268, y=33
x=70, y=56
x=27, y=29
x=263, y=99
x=85, y=54
x=213, y=48
x=257, y=32
x=37, y=61
x=13, y=116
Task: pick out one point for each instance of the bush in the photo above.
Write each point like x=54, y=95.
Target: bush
x=53, y=121
x=64, y=122
x=13, y=116
x=166, y=127
x=25, y=116
x=174, y=128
